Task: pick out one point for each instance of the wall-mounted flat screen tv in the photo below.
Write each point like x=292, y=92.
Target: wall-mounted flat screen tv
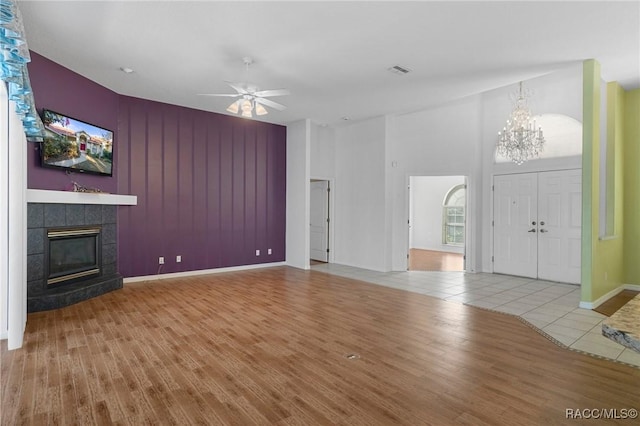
x=76, y=145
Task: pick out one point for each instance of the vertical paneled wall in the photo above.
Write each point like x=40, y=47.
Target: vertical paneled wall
x=211, y=188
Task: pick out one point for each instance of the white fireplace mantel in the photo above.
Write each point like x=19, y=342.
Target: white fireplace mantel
x=70, y=197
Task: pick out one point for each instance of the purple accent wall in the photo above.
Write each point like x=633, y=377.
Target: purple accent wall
x=59, y=89
x=211, y=188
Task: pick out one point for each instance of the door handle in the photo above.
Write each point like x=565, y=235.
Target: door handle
x=543, y=230
x=533, y=230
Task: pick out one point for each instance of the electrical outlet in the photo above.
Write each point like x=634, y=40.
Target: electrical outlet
x=257, y=252
x=268, y=251
x=161, y=260
x=178, y=259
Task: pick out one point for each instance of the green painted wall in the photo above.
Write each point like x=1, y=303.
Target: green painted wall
x=590, y=142
x=632, y=187
x=608, y=266
x=603, y=266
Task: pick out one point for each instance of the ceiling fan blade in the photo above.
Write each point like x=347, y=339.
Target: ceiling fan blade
x=271, y=104
x=226, y=95
x=274, y=92
x=239, y=87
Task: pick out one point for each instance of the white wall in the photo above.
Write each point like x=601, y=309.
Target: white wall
x=298, y=199
x=372, y=161
x=559, y=93
x=323, y=154
x=441, y=141
x=360, y=195
x=427, y=196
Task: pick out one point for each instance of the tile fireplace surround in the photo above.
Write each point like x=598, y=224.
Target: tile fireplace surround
x=59, y=209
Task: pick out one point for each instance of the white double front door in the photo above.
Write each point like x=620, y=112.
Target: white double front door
x=537, y=225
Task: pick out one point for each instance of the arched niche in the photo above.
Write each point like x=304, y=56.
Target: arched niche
x=562, y=134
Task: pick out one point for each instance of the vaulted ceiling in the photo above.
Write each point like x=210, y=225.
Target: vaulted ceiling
x=334, y=56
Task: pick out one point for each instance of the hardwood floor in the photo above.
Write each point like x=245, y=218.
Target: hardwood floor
x=269, y=347
x=432, y=260
x=610, y=307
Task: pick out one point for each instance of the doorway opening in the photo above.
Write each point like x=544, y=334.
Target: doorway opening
x=437, y=223
x=319, y=221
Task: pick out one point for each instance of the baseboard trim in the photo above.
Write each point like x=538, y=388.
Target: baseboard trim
x=4, y=335
x=200, y=272
x=600, y=300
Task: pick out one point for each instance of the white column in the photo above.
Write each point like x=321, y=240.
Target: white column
x=4, y=211
x=298, y=198
x=17, y=231
x=13, y=220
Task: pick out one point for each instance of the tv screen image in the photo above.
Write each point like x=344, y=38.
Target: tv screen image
x=76, y=145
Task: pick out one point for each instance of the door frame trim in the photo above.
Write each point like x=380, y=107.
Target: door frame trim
x=469, y=219
x=332, y=204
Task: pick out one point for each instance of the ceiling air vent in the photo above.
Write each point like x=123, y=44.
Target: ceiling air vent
x=397, y=69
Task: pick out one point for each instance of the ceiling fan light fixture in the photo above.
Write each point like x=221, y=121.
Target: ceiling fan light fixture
x=260, y=110
x=249, y=98
x=234, y=107
x=246, y=107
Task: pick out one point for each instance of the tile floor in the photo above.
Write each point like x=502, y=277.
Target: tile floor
x=550, y=307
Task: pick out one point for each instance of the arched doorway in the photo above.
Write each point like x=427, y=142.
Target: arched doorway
x=437, y=223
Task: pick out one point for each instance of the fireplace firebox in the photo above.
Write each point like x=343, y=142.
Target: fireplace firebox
x=73, y=254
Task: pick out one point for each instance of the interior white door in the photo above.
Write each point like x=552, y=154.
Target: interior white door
x=559, y=232
x=319, y=220
x=514, y=228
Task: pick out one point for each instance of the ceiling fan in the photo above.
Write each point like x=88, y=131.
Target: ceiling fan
x=250, y=97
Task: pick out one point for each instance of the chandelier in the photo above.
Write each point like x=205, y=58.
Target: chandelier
x=520, y=141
